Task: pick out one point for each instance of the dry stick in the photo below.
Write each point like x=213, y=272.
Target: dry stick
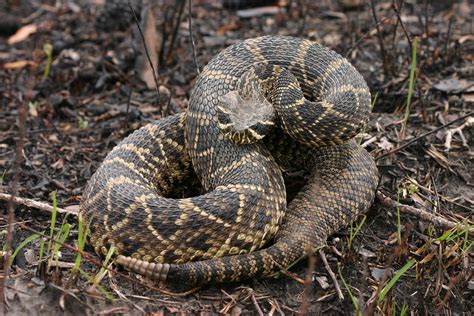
x=92, y=260
x=149, y=59
x=380, y=36
x=32, y=203
x=192, y=37
x=389, y=202
x=448, y=39
x=129, y=100
x=175, y=31
x=331, y=274
x=308, y=282
x=427, y=30
x=22, y=113
x=397, y=13
x=363, y=37
x=423, y=135
x=257, y=307
x=303, y=16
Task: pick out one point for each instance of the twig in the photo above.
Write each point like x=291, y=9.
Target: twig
x=129, y=99
x=389, y=202
x=448, y=39
x=147, y=53
x=22, y=114
x=367, y=34
x=287, y=273
x=175, y=31
x=303, y=13
x=308, y=282
x=32, y=203
x=257, y=307
x=397, y=13
x=381, y=42
x=423, y=135
x=331, y=274
x=190, y=19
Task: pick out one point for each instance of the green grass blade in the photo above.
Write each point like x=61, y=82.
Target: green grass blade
x=83, y=230
x=348, y=289
x=395, y=278
x=404, y=310
x=99, y=287
x=353, y=233
x=103, y=269
x=53, y=221
x=411, y=83
x=61, y=238
x=41, y=251
x=20, y=246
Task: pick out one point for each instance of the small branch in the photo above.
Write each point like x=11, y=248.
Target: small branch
x=427, y=216
x=397, y=13
x=147, y=53
x=257, y=307
x=381, y=42
x=366, y=35
x=308, y=282
x=192, y=37
x=423, y=135
x=331, y=274
x=448, y=39
x=22, y=115
x=175, y=31
x=35, y=204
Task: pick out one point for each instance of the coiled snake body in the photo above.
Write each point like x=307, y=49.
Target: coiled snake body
x=306, y=100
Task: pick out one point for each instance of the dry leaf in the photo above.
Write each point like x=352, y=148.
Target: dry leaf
x=385, y=144
x=22, y=33
x=468, y=97
x=454, y=85
x=153, y=42
x=19, y=64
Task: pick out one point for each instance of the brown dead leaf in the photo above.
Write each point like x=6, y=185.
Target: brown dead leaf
x=428, y=258
x=231, y=26
x=438, y=156
x=468, y=97
x=22, y=33
x=159, y=312
x=59, y=164
x=19, y=64
x=385, y=144
x=153, y=42
x=466, y=38
x=454, y=85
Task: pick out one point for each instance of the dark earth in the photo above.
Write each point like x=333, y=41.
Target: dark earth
x=62, y=111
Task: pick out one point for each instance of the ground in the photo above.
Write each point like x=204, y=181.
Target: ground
x=75, y=81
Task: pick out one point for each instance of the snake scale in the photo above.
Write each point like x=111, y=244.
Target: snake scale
x=258, y=107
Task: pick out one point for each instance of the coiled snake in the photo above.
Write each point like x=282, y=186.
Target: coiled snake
x=306, y=100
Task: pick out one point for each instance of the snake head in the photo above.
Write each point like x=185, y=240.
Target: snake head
x=245, y=117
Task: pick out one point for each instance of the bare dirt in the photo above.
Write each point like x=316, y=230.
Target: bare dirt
x=99, y=89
